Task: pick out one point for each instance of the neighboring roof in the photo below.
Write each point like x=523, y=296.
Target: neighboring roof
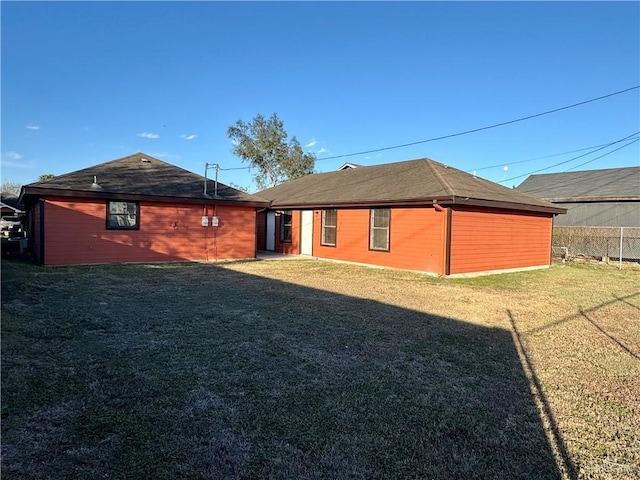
x=348, y=165
x=610, y=184
x=402, y=183
x=139, y=176
x=9, y=201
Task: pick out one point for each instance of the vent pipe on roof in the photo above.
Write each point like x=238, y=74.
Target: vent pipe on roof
x=94, y=185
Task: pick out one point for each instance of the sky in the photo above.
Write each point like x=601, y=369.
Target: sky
x=83, y=83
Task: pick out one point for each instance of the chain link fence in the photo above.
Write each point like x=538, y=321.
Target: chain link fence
x=607, y=244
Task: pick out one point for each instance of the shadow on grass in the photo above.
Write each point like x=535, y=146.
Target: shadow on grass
x=547, y=414
x=198, y=371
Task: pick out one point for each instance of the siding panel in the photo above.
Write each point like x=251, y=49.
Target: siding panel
x=34, y=231
x=261, y=230
x=416, y=239
x=484, y=240
x=75, y=232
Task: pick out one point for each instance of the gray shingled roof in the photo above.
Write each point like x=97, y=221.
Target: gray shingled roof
x=411, y=182
x=10, y=201
x=607, y=184
x=138, y=175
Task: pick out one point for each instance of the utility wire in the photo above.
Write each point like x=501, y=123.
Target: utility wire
x=481, y=128
x=537, y=158
x=235, y=168
x=579, y=156
x=593, y=160
x=503, y=163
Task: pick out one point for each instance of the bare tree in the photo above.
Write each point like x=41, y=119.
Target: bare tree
x=11, y=188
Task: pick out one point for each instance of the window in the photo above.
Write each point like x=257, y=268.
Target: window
x=379, y=229
x=123, y=216
x=285, y=226
x=329, y=223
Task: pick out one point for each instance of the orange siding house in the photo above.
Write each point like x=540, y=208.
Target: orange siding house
x=111, y=213
x=498, y=240
x=416, y=215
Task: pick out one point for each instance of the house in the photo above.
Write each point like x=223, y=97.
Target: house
x=137, y=209
x=348, y=165
x=593, y=198
x=9, y=205
x=418, y=215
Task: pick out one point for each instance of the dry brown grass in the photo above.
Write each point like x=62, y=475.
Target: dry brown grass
x=308, y=369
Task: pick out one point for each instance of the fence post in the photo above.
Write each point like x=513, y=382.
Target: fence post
x=621, y=229
x=620, y=253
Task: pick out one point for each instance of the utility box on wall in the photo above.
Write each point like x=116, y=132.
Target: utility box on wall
x=214, y=221
x=205, y=221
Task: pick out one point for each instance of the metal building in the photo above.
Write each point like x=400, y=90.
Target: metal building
x=593, y=198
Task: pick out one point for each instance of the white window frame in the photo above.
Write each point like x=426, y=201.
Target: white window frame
x=374, y=226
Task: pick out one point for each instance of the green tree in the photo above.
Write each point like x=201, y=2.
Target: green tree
x=240, y=187
x=45, y=176
x=263, y=143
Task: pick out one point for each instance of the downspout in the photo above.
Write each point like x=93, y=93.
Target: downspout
x=447, y=236
x=553, y=220
x=205, y=213
x=215, y=232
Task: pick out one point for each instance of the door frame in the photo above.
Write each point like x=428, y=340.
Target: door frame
x=306, y=232
x=270, y=231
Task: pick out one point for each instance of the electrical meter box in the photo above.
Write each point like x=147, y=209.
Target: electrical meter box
x=205, y=221
x=214, y=221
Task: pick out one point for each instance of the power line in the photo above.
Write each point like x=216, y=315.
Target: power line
x=593, y=160
x=538, y=158
x=592, y=149
x=235, y=168
x=579, y=156
x=481, y=128
x=478, y=169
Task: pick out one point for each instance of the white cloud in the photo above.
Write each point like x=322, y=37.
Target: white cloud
x=148, y=135
x=33, y=127
x=12, y=155
x=312, y=143
x=321, y=151
x=188, y=137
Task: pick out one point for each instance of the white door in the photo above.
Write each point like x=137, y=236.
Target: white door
x=271, y=231
x=306, y=232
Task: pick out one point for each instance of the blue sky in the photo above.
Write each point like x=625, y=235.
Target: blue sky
x=88, y=82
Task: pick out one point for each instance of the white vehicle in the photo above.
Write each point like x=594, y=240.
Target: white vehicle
x=8, y=222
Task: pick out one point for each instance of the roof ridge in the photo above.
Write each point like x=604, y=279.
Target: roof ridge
x=63, y=175
x=595, y=171
x=446, y=185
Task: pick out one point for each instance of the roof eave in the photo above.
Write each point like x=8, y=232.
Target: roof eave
x=453, y=200
x=209, y=199
x=283, y=205
x=528, y=207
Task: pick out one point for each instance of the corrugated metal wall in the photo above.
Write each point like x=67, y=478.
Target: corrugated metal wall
x=601, y=214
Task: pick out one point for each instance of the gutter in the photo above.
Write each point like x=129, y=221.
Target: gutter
x=41, y=192
x=452, y=200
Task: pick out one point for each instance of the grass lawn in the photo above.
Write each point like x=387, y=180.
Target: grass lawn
x=317, y=370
